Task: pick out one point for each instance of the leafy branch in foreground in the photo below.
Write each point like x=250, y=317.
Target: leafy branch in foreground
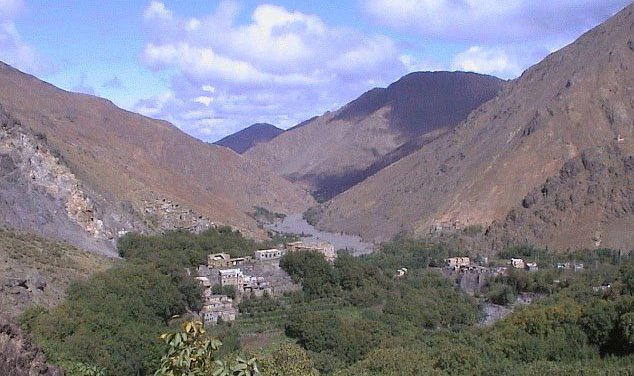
x=191, y=353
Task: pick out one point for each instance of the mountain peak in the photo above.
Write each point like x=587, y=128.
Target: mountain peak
x=247, y=138
x=331, y=153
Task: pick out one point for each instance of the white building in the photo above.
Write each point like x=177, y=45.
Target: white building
x=268, y=254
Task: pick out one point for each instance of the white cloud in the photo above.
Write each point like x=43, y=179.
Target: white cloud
x=279, y=66
x=157, y=10
x=9, y=9
x=493, y=21
x=493, y=61
x=204, y=100
x=152, y=107
x=13, y=50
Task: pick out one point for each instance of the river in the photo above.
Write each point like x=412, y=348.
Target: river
x=295, y=224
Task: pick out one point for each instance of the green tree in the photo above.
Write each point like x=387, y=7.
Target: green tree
x=192, y=353
x=288, y=360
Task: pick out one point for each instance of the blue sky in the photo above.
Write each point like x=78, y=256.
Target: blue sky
x=214, y=67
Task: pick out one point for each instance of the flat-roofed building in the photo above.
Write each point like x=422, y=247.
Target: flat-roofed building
x=224, y=260
x=268, y=254
x=325, y=248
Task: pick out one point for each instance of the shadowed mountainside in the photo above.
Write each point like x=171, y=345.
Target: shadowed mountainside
x=247, y=138
x=330, y=153
x=576, y=99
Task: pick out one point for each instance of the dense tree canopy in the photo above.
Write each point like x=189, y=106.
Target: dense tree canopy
x=356, y=316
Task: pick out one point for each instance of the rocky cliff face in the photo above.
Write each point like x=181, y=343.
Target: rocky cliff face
x=588, y=204
x=40, y=193
x=78, y=168
x=19, y=356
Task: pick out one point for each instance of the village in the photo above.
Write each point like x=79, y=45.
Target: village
x=248, y=277
x=260, y=274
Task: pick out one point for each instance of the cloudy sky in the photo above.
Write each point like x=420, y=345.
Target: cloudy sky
x=214, y=67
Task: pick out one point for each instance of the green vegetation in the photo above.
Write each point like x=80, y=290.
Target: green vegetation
x=185, y=249
x=192, y=353
x=312, y=215
x=264, y=215
x=113, y=320
x=356, y=316
x=472, y=230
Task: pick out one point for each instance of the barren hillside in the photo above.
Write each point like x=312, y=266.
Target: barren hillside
x=331, y=153
x=247, y=138
x=80, y=160
x=578, y=98
x=588, y=204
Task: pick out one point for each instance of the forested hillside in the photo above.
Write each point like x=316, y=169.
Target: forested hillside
x=354, y=316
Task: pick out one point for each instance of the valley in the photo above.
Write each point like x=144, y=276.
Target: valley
x=295, y=224
x=440, y=222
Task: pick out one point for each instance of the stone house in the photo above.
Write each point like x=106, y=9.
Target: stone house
x=224, y=260
x=243, y=283
x=218, y=307
x=325, y=248
x=204, y=281
x=231, y=277
x=518, y=263
x=268, y=254
x=458, y=262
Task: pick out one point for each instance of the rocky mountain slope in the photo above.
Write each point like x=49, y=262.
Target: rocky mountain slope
x=588, y=204
x=330, y=153
x=77, y=168
x=247, y=138
x=19, y=356
x=578, y=98
x=35, y=271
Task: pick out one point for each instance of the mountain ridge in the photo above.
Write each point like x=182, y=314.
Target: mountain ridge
x=125, y=171
x=577, y=98
x=250, y=136
x=330, y=153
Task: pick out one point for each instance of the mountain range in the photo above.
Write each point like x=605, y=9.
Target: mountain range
x=577, y=102
x=330, y=153
x=77, y=168
x=544, y=159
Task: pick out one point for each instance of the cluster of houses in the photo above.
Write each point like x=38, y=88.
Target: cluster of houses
x=248, y=276
x=440, y=227
x=465, y=264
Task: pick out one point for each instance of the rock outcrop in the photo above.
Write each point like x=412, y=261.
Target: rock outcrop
x=19, y=356
x=588, y=204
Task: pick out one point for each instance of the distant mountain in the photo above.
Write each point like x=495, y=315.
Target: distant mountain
x=330, y=153
x=247, y=138
x=77, y=168
x=575, y=101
